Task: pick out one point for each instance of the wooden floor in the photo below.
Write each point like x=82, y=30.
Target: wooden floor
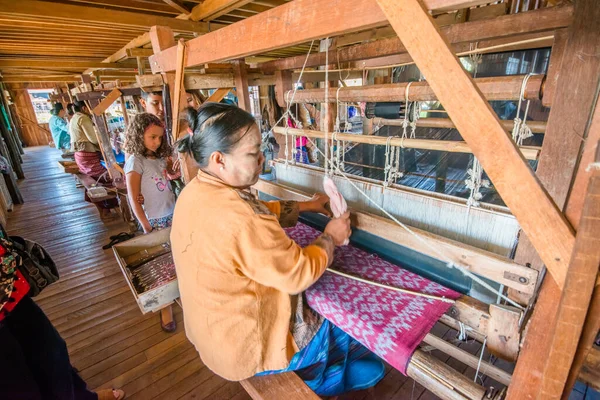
x=111, y=343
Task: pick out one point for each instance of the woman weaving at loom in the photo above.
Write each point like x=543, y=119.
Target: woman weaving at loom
x=239, y=273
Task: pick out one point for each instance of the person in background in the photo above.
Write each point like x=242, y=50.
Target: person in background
x=84, y=143
x=34, y=361
x=70, y=111
x=148, y=170
x=59, y=128
x=241, y=277
x=194, y=98
x=152, y=103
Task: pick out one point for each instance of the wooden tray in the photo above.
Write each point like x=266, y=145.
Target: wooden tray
x=70, y=167
x=157, y=298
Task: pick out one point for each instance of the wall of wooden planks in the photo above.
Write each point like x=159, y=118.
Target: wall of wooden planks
x=33, y=134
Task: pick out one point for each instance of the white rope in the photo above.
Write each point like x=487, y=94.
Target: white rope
x=520, y=129
x=475, y=182
x=327, y=165
x=475, y=57
x=440, y=255
x=480, y=358
x=406, y=121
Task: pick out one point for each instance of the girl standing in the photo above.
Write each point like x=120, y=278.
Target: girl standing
x=148, y=170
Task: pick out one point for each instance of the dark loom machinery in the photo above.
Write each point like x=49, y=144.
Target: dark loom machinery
x=536, y=249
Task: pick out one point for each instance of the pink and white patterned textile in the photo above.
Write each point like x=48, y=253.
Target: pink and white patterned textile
x=389, y=323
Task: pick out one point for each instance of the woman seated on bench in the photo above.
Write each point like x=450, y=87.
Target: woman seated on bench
x=84, y=143
x=241, y=277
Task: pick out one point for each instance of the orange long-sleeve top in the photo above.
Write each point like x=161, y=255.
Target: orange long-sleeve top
x=237, y=272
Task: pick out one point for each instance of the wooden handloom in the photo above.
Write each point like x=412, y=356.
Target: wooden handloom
x=537, y=200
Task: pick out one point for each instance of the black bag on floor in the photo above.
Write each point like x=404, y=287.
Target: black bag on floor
x=36, y=264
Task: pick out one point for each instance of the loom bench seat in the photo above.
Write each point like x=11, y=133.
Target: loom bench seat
x=286, y=386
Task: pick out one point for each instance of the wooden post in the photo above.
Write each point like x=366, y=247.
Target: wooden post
x=283, y=84
x=575, y=95
x=240, y=76
x=576, y=295
x=124, y=111
x=512, y=177
x=104, y=141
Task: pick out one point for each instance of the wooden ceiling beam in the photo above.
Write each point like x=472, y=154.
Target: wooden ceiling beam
x=176, y=5
x=64, y=64
x=301, y=21
x=548, y=19
x=89, y=14
x=130, y=5
x=213, y=9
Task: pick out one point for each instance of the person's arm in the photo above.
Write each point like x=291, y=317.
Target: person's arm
x=134, y=189
x=63, y=126
x=88, y=129
x=268, y=256
x=287, y=211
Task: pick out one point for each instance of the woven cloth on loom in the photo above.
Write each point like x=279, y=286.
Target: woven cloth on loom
x=389, y=323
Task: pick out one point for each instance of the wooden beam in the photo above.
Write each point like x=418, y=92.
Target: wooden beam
x=493, y=88
x=240, y=75
x=139, y=41
x=514, y=180
x=547, y=19
x=479, y=261
x=218, y=95
x=529, y=153
x=301, y=21
x=213, y=9
x=107, y=102
x=138, y=52
x=28, y=78
x=283, y=84
x=57, y=64
x=568, y=117
x=446, y=123
x=575, y=299
x=554, y=66
x=278, y=386
x=179, y=90
x=178, y=6
x=67, y=12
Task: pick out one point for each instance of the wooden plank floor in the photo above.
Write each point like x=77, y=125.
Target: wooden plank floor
x=111, y=343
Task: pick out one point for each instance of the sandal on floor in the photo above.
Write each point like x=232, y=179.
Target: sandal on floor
x=170, y=327
x=121, y=237
x=110, y=394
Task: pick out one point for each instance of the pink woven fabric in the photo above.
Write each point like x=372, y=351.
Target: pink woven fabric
x=336, y=200
x=389, y=323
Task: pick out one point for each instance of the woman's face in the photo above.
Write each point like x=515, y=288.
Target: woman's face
x=153, y=137
x=243, y=165
x=62, y=113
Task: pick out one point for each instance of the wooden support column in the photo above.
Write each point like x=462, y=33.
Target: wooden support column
x=104, y=141
x=124, y=111
x=576, y=94
x=576, y=295
x=497, y=152
x=240, y=76
x=283, y=84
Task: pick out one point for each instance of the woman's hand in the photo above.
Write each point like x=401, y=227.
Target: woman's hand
x=318, y=204
x=339, y=229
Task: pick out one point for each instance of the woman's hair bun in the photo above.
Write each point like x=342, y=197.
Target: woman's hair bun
x=184, y=145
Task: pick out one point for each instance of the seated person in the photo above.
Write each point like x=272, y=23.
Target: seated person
x=59, y=128
x=241, y=277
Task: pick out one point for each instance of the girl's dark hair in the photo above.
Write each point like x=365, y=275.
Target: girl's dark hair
x=70, y=110
x=134, y=136
x=216, y=127
x=57, y=108
x=79, y=105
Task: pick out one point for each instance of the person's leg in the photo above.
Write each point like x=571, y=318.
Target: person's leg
x=16, y=381
x=167, y=321
x=46, y=354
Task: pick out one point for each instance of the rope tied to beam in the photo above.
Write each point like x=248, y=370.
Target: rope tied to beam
x=520, y=130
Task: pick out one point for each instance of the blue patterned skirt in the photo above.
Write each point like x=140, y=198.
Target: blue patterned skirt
x=334, y=363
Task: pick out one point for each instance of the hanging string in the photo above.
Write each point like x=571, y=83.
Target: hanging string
x=520, y=130
x=480, y=358
x=327, y=114
x=406, y=121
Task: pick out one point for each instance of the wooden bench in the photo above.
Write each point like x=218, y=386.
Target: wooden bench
x=286, y=386
x=69, y=167
x=88, y=182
